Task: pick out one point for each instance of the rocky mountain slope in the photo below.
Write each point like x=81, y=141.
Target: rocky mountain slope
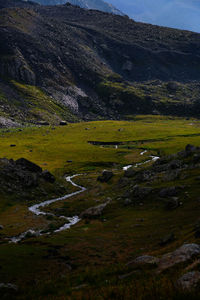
x=89, y=4
x=57, y=62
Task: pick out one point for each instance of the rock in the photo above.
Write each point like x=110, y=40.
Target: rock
x=189, y=280
x=171, y=175
x=189, y=149
x=124, y=181
x=144, y=260
x=172, y=86
x=141, y=192
x=95, y=211
x=196, y=158
x=1, y=227
x=175, y=164
x=127, y=66
x=172, y=203
x=168, y=192
x=145, y=176
x=106, y=176
x=48, y=176
x=63, y=123
x=129, y=173
x=127, y=202
x=43, y=123
x=28, y=165
x=181, y=255
x=8, y=286
x=167, y=239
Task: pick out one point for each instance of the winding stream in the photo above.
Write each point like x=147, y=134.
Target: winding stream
x=35, y=209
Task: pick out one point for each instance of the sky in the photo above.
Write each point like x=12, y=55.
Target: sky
x=183, y=14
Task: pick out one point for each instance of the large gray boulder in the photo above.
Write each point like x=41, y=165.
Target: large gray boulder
x=94, y=212
x=181, y=255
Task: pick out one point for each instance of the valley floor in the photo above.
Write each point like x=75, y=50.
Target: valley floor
x=93, y=259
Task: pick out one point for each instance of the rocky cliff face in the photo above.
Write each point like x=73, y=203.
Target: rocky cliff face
x=91, y=62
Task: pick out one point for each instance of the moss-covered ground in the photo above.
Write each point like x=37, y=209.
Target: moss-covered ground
x=89, y=260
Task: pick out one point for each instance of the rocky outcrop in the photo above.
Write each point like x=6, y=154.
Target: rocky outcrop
x=189, y=280
x=106, y=176
x=94, y=212
x=26, y=164
x=183, y=254
x=21, y=175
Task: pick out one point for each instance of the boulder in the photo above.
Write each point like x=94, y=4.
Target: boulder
x=181, y=255
x=146, y=175
x=129, y=173
x=190, y=149
x=28, y=165
x=63, y=123
x=171, y=203
x=48, y=176
x=128, y=202
x=168, y=192
x=94, y=212
x=106, y=176
x=196, y=158
x=144, y=260
x=189, y=280
x=123, y=181
x=172, y=86
x=175, y=164
x=141, y=192
x=172, y=175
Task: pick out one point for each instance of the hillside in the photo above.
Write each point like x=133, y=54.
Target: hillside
x=64, y=62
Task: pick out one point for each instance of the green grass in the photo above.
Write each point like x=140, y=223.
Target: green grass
x=98, y=250
x=41, y=106
x=52, y=148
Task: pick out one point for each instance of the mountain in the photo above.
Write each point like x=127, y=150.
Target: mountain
x=88, y=4
x=183, y=14
x=65, y=62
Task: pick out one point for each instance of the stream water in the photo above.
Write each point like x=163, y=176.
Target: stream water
x=35, y=209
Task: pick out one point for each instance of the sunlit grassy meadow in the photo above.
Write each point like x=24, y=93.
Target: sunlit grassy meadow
x=87, y=261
